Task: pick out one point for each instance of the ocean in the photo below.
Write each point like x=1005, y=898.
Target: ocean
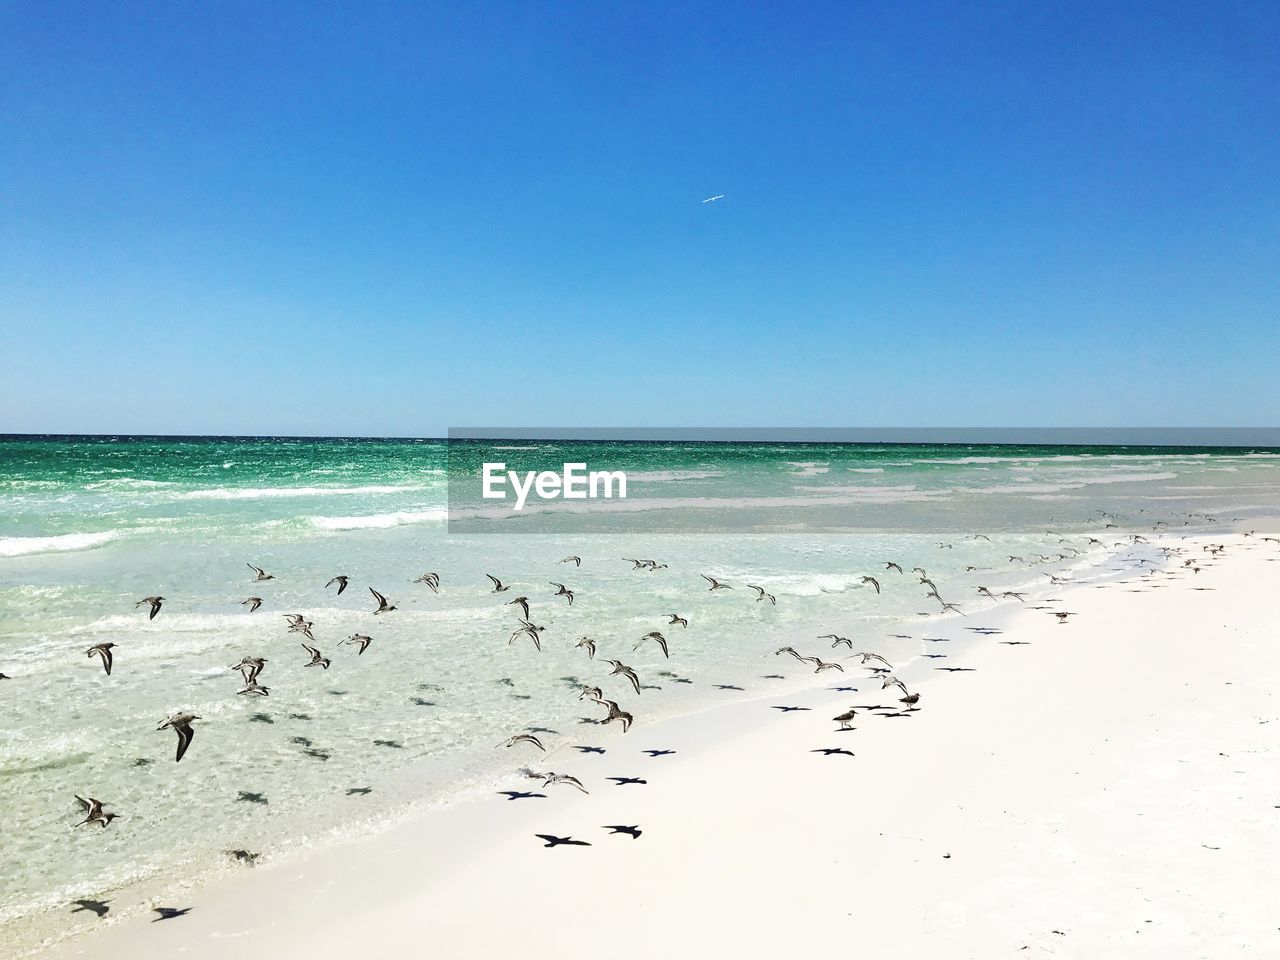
x=92, y=525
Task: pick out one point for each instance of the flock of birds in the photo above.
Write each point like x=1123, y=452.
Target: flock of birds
x=251, y=668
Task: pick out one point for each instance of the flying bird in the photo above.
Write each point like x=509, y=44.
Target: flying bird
x=657, y=638
x=102, y=650
x=340, y=580
x=718, y=196
x=432, y=580
x=715, y=584
x=93, y=812
x=383, y=605
x=180, y=723
x=523, y=738
x=156, y=603
x=497, y=584
x=317, y=658
x=253, y=603
x=259, y=574
x=562, y=591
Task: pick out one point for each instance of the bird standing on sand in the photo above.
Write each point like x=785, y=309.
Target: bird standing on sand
x=911, y=699
x=259, y=574
x=845, y=718
x=102, y=650
x=156, y=604
x=340, y=580
x=180, y=723
x=383, y=606
x=93, y=812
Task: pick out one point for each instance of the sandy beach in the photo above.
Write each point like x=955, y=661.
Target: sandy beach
x=1102, y=787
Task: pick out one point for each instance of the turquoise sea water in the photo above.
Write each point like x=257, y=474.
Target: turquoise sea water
x=91, y=525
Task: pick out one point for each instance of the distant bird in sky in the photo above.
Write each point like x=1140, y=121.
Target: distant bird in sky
x=718, y=196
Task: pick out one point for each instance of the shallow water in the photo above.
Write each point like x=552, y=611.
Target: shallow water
x=92, y=526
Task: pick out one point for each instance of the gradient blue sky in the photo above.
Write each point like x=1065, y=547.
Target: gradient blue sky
x=395, y=218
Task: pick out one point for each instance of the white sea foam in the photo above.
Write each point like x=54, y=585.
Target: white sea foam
x=657, y=476
x=380, y=520
x=262, y=493
x=24, y=546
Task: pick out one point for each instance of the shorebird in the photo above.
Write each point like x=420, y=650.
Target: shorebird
x=254, y=689
x=791, y=650
x=1062, y=617
x=987, y=593
x=1016, y=560
x=156, y=603
x=616, y=713
x=657, y=638
x=552, y=841
x=383, y=606
x=845, y=718
x=562, y=591
x=550, y=778
x=762, y=594
x=360, y=640
x=622, y=668
x=1017, y=596
x=432, y=580
x=919, y=570
x=250, y=667
x=317, y=658
x=259, y=574
x=718, y=196
x=297, y=624
x=340, y=580
x=93, y=812
x=180, y=723
x=529, y=630
x=873, y=581
x=676, y=618
x=892, y=681
x=823, y=665
x=522, y=603
x=576, y=561
x=498, y=586
x=591, y=693
x=715, y=584
x=868, y=657
x=633, y=831
x=253, y=603
x=892, y=566
x=5, y=676
x=523, y=738
x=589, y=645
x=102, y=650
x=911, y=699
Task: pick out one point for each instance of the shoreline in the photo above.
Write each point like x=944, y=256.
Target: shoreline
x=431, y=878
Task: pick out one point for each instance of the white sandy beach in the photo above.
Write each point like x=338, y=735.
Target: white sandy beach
x=1109, y=788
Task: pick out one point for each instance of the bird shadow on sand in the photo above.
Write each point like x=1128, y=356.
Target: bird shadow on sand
x=170, y=913
x=98, y=907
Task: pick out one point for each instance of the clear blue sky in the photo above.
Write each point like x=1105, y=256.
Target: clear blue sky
x=395, y=218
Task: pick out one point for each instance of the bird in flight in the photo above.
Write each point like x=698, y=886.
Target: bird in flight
x=340, y=580
x=156, y=603
x=102, y=650
x=560, y=841
x=181, y=724
x=93, y=812
x=718, y=196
